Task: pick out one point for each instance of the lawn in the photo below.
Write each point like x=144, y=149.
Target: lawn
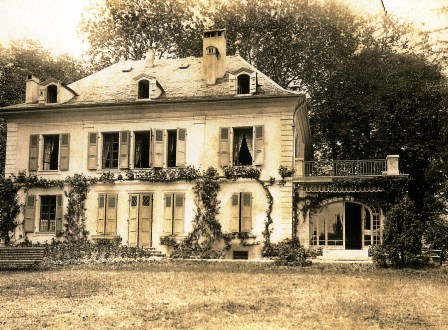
x=223, y=295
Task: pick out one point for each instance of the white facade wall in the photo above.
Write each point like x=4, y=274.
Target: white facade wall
x=202, y=122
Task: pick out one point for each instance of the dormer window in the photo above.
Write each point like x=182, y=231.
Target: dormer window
x=52, y=94
x=143, y=89
x=243, y=84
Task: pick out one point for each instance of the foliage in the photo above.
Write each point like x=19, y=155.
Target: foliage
x=9, y=209
x=284, y=173
x=128, y=28
x=75, y=218
x=188, y=173
x=206, y=234
x=241, y=172
x=436, y=235
x=25, y=57
x=402, y=234
x=287, y=253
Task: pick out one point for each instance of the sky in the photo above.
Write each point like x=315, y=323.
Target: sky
x=54, y=23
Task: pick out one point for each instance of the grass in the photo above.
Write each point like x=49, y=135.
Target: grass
x=225, y=295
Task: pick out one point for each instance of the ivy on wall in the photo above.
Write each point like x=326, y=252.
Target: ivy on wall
x=204, y=240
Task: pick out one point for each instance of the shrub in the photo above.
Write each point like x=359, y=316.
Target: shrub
x=436, y=235
x=288, y=253
x=403, y=231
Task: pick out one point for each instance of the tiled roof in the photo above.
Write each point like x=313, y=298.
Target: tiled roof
x=117, y=84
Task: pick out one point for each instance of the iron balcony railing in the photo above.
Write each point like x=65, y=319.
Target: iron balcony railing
x=374, y=167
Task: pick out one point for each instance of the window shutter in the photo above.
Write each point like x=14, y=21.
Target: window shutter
x=179, y=213
x=152, y=88
x=145, y=215
x=246, y=212
x=150, y=149
x=168, y=216
x=33, y=164
x=133, y=220
x=181, y=146
x=92, y=152
x=58, y=213
x=259, y=145
x=30, y=214
x=253, y=82
x=159, y=148
x=65, y=152
x=232, y=84
x=101, y=214
x=124, y=149
x=111, y=215
x=235, y=213
x=224, y=146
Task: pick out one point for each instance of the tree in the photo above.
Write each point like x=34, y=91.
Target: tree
x=23, y=57
x=128, y=28
x=436, y=234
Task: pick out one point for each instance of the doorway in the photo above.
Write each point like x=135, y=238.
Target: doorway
x=353, y=226
x=140, y=220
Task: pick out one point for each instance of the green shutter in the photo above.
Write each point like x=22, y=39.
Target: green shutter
x=111, y=215
x=179, y=214
x=64, y=155
x=124, y=149
x=258, y=145
x=159, y=148
x=92, y=151
x=168, y=215
x=33, y=163
x=224, y=146
x=101, y=220
x=181, y=145
x=30, y=214
x=246, y=212
x=235, y=213
x=59, y=213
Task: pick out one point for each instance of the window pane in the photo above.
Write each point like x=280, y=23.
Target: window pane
x=242, y=146
x=110, y=150
x=141, y=150
x=51, y=152
x=47, y=213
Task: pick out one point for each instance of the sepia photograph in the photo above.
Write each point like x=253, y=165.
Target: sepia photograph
x=223, y=164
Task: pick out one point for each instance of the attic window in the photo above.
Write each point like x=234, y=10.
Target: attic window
x=212, y=50
x=243, y=84
x=143, y=89
x=52, y=94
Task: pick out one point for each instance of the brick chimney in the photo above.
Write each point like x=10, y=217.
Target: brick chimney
x=32, y=89
x=214, y=55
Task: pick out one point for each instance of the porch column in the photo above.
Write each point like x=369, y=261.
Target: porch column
x=392, y=164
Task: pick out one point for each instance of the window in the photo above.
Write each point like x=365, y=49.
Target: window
x=243, y=84
x=51, y=152
x=174, y=214
x=241, y=212
x=110, y=150
x=142, y=154
x=173, y=153
x=107, y=214
x=241, y=146
x=50, y=214
x=52, y=94
x=143, y=89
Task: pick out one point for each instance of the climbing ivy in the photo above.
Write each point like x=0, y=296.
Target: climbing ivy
x=9, y=209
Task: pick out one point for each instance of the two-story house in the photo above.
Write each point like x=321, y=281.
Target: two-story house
x=215, y=111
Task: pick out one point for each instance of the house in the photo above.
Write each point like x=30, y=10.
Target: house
x=169, y=114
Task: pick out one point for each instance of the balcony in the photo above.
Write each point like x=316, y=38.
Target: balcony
x=348, y=168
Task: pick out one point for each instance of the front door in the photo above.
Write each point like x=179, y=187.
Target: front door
x=140, y=220
x=353, y=226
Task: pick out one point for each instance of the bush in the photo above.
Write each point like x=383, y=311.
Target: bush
x=379, y=256
x=403, y=231
x=436, y=235
x=287, y=253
